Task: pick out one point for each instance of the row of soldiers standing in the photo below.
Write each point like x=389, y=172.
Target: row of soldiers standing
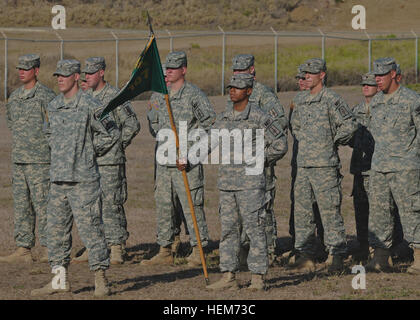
x=320, y=122
x=68, y=165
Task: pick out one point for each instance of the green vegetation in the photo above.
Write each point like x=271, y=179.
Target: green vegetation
x=346, y=60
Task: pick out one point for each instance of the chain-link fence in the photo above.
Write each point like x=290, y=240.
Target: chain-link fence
x=277, y=53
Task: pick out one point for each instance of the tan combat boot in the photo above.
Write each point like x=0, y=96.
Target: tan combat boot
x=257, y=282
x=101, y=284
x=194, y=259
x=164, y=257
x=176, y=244
x=54, y=286
x=20, y=255
x=81, y=259
x=380, y=262
x=302, y=264
x=44, y=255
x=415, y=267
x=228, y=281
x=116, y=254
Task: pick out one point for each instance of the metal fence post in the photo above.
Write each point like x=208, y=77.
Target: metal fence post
x=171, y=41
x=275, y=58
x=323, y=43
x=416, y=62
x=61, y=45
x=369, y=51
x=223, y=60
x=5, y=65
x=116, y=57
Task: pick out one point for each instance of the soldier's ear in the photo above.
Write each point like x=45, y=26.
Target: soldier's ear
x=102, y=73
x=248, y=91
x=36, y=72
x=184, y=70
x=252, y=70
x=76, y=76
x=322, y=75
x=393, y=74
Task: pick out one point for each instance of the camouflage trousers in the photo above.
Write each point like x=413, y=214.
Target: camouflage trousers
x=114, y=194
x=170, y=184
x=403, y=188
x=80, y=201
x=325, y=185
x=270, y=224
x=270, y=220
x=315, y=209
x=178, y=214
x=179, y=218
x=31, y=183
x=244, y=210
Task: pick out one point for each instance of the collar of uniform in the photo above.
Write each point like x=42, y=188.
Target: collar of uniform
x=102, y=92
x=30, y=94
x=242, y=116
x=380, y=97
x=396, y=97
x=315, y=98
x=178, y=94
x=71, y=105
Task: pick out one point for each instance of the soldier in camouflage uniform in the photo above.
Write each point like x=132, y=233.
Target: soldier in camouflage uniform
x=300, y=96
x=26, y=112
x=363, y=146
x=395, y=169
x=321, y=123
x=268, y=101
x=152, y=115
x=243, y=195
x=112, y=164
x=188, y=104
x=75, y=137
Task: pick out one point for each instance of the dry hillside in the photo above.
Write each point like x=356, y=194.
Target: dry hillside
x=208, y=14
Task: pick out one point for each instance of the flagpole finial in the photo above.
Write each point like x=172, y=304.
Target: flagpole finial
x=149, y=23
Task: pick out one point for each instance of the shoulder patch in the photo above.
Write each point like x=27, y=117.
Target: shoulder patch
x=108, y=123
x=98, y=112
x=273, y=112
x=343, y=110
x=200, y=114
x=267, y=123
x=128, y=110
x=273, y=127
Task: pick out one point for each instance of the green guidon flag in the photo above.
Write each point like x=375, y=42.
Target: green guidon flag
x=146, y=76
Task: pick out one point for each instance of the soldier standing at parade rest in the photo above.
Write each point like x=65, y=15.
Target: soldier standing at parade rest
x=112, y=167
x=268, y=101
x=363, y=146
x=25, y=115
x=300, y=96
x=157, y=100
x=76, y=136
x=395, y=169
x=189, y=104
x=241, y=193
x=321, y=123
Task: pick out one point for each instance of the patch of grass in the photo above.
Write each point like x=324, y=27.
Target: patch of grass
x=346, y=60
x=414, y=86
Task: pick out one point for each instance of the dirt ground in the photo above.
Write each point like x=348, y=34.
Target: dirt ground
x=132, y=281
